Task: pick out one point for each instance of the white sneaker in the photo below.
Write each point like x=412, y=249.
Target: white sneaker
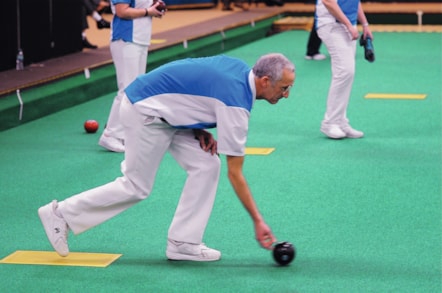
x=111, y=143
x=317, y=57
x=187, y=251
x=333, y=131
x=55, y=227
x=352, y=133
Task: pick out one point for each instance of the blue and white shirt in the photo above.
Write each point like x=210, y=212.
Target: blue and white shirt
x=138, y=30
x=349, y=7
x=199, y=93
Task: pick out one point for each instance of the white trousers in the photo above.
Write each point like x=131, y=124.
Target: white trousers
x=130, y=61
x=342, y=50
x=147, y=140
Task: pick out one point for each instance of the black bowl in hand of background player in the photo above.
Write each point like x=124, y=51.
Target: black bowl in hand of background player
x=161, y=7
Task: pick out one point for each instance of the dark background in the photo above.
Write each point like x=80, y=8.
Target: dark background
x=44, y=29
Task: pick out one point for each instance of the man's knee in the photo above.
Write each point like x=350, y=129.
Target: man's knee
x=212, y=166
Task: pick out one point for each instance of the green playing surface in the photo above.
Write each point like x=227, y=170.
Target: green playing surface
x=365, y=215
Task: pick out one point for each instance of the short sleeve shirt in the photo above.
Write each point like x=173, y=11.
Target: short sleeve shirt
x=200, y=93
x=138, y=30
x=348, y=7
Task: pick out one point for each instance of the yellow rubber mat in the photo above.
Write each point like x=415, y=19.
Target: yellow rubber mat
x=259, y=151
x=81, y=259
x=396, y=96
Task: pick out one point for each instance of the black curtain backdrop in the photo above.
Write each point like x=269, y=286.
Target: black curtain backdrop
x=43, y=29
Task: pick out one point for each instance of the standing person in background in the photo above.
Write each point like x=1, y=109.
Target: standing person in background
x=313, y=45
x=93, y=8
x=336, y=24
x=130, y=39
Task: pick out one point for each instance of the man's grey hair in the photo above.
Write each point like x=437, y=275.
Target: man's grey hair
x=272, y=65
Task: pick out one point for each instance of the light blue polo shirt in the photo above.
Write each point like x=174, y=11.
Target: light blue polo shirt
x=348, y=7
x=136, y=30
x=199, y=93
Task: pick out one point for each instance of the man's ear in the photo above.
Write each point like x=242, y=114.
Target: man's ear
x=264, y=81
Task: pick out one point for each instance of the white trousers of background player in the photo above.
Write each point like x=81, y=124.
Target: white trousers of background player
x=148, y=138
x=342, y=50
x=130, y=60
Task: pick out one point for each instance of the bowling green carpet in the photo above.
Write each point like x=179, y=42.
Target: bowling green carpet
x=364, y=215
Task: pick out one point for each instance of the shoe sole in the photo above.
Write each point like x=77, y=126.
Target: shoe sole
x=354, y=136
x=177, y=257
x=46, y=222
x=333, y=137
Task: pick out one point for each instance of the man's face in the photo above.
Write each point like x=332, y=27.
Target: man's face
x=274, y=91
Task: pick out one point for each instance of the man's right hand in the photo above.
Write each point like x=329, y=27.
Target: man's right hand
x=264, y=235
